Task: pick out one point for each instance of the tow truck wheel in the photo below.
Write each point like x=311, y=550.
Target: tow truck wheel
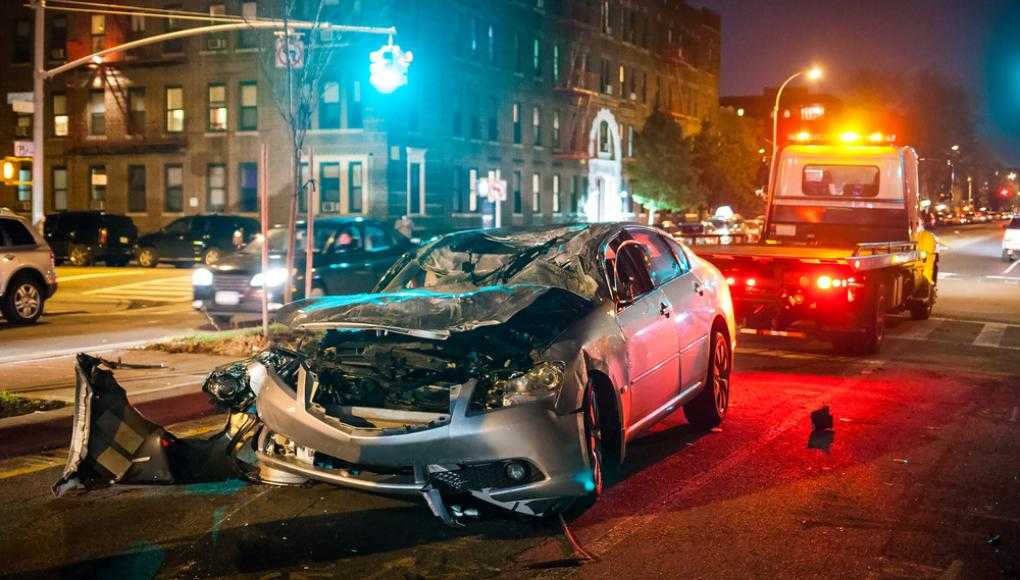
x=874, y=333
x=921, y=310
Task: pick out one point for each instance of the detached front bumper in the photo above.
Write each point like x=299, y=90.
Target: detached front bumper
x=464, y=456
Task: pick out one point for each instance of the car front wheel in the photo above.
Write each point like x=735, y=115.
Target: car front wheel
x=23, y=303
x=79, y=255
x=148, y=258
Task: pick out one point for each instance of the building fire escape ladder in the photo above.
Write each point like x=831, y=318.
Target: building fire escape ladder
x=112, y=80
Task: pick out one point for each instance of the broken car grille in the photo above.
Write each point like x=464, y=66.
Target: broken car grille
x=231, y=282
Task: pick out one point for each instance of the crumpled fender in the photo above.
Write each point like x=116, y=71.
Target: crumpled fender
x=111, y=442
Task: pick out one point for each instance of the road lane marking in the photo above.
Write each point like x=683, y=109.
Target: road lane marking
x=919, y=330
x=177, y=289
x=90, y=276
x=991, y=335
x=1011, y=266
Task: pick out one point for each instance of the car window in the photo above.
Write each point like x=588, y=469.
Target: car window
x=179, y=226
x=377, y=239
x=200, y=226
x=1014, y=223
x=681, y=255
x=662, y=265
x=631, y=269
x=16, y=233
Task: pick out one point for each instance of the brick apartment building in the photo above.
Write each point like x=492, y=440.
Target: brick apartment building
x=548, y=93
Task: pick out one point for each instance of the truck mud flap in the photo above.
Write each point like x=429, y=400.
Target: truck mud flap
x=112, y=443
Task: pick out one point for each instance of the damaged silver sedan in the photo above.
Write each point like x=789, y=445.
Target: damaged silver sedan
x=505, y=368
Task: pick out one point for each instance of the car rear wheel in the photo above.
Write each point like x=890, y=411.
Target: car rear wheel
x=148, y=258
x=222, y=320
x=23, y=303
x=709, y=407
x=79, y=255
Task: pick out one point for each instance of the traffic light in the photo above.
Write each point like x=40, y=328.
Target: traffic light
x=388, y=68
x=1004, y=192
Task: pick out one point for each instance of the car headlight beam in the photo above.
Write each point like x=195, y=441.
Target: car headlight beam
x=273, y=277
x=202, y=277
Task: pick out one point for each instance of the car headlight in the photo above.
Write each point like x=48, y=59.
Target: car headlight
x=202, y=277
x=541, y=383
x=272, y=278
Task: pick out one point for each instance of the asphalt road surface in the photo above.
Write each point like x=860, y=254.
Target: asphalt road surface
x=919, y=478
x=98, y=307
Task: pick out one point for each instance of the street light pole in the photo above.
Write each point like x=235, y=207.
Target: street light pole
x=38, y=109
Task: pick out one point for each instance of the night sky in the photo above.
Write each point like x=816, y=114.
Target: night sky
x=976, y=42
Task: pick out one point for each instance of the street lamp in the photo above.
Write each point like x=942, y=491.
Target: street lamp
x=813, y=74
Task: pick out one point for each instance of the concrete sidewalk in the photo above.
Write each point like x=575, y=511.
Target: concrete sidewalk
x=168, y=393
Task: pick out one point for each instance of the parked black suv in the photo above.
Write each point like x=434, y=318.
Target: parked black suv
x=350, y=255
x=85, y=237
x=198, y=238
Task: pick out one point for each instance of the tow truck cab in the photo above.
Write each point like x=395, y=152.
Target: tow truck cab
x=843, y=245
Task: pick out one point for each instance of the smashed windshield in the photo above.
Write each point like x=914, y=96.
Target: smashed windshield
x=465, y=262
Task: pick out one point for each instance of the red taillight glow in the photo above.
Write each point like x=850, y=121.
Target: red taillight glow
x=825, y=282
x=731, y=280
x=103, y=235
x=751, y=282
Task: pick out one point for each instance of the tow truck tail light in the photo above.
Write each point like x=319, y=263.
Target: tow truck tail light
x=730, y=280
x=826, y=282
x=751, y=282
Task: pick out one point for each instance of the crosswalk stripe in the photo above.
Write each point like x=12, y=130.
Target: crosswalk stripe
x=919, y=330
x=991, y=335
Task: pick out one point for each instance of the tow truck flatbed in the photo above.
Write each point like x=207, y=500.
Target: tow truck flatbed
x=861, y=257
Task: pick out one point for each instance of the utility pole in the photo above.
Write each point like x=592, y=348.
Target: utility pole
x=38, y=111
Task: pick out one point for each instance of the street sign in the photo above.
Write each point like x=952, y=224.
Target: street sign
x=24, y=149
x=292, y=56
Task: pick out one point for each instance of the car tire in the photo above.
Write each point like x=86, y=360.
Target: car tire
x=211, y=256
x=23, y=302
x=222, y=320
x=921, y=309
x=148, y=257
x=708, y=408
x=594, y=450
x=79, y=255
x=1006, y=257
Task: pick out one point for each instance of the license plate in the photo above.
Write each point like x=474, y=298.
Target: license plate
x=123, y=239
x=228, y=298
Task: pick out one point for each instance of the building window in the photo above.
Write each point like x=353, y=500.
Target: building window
x=248, y=38
x=23, y=126
x=249, y=120
x=518, y=202
x=355, y=187
x=98, y=32
x=329, y=187
x=473, y=34
x=493, y=120
x=329, y=108
x=536, y=125
x=605, y=146
x=536, y=193
x=475, y=124
x=306, y=190
x=175, y=46
x=556, y=63
x=517, y=122
x=174, y=110
x=25, y=184
x=556, y=129
x=217, y=107
x=575, y=189
x=458, y=116
x=472, y=204
x=491, y=43
x=604, y=16
x=136, y=189
x=518, y=54
x=173, y=196
x=216, y=41
x=58, y=38
x=536, y=57
x=355, y=120
x=59, y=188
x=97, y=112
x=60, y=120
x=605, y=78
x=97, y=184
x=810, y=112
x=136, y=108
x=137, y=24
x=630, y=140
x=415, y=181
x=556, y=193
x=216, y=187
x=247, y=185
x=21, y=42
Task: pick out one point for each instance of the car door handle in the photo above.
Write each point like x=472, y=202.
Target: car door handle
x=664, y=309
x=699, y=288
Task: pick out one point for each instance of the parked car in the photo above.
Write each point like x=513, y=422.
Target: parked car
x=350, y=255
x=510, y=367
x=27, y=275
x=1011, y=240
x=196, y=239
x=85, y=237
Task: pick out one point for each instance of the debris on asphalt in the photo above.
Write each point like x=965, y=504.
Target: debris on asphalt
x=821, y=419
x=994, y=540
x=904, y=460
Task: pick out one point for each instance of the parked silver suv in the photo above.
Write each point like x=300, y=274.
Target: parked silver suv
x=27, y=275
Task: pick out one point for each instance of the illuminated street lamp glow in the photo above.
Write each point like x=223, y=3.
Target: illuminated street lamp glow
x=814, y=73
x=955, y=147
x=388, y=68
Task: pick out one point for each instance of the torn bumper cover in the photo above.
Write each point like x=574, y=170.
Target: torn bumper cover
x=111, y=442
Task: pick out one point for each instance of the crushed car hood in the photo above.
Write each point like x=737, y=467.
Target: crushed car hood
x=415, y=312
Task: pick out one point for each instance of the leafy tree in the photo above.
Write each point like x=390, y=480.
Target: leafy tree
x=663, y=176
x=725, y=156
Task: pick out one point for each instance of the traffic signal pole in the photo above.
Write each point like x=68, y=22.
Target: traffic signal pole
x=38, y=110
